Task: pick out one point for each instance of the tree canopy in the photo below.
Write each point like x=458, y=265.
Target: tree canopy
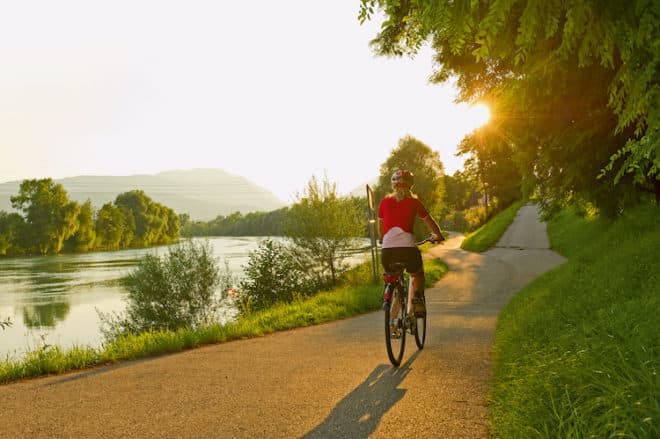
x=573, y=86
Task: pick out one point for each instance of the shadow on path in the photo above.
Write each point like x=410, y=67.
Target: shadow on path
x=359, y=413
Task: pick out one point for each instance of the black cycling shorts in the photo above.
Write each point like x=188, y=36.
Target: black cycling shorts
x=411, y=257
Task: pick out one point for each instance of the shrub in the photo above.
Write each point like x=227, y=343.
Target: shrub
x=170, y=292
x=275, y=273
x=475, y=217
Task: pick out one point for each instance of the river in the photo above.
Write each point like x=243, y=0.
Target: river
x=53, y=299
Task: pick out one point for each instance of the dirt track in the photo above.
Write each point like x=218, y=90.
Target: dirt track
x=327, y=381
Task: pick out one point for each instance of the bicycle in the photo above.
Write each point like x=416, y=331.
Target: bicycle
x=397, y=321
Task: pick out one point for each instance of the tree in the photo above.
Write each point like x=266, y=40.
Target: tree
x=50, y=215
x=110, y=227
x=84, y=238
x=424, y=163
x=491, y=164
x=461, y=191
x=151, y=222
x=325, y=226
x=575, y=84
x=12, y=231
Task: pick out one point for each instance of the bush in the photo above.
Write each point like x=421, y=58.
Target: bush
x=275, y=273
x=176, y=291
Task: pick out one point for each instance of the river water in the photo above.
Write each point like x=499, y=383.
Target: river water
x=53, y=299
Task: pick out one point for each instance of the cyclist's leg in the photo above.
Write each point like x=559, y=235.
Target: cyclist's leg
x=391, y=256
x=416, y=270
x=417, y=283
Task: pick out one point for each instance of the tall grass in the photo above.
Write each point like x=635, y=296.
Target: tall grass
x=578, y=350
x=358, y=294
x=487, y=235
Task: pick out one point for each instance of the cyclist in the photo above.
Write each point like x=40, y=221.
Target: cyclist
x=396, y=215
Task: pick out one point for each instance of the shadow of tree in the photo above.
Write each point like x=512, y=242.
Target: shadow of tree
x=359, y=413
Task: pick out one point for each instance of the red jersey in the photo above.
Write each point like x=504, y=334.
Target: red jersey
x=400, y=214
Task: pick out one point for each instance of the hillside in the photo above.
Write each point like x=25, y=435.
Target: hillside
x=202, y=193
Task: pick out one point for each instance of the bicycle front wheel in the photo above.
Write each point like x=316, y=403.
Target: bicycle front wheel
x=395, y=330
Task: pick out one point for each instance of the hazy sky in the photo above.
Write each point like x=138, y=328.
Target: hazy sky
x=273, y=91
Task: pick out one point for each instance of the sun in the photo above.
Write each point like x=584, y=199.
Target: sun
x=479, y=114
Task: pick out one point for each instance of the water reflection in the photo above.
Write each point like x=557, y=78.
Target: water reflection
x=45, y=315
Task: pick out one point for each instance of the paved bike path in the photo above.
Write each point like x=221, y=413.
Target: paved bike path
x=327, y=381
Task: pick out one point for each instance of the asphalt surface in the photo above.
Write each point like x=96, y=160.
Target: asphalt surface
x=327, y=381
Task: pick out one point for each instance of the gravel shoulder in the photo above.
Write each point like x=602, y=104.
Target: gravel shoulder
x=331, y=380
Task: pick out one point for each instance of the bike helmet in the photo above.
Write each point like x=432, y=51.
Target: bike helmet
x=402, y=178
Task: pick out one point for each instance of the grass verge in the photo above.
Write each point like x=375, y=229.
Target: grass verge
x=577, y=352
x=487, y=235
x=359, y=295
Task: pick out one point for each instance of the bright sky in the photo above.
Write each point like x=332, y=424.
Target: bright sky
x=273, y=91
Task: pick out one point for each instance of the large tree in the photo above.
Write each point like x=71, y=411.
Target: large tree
x=50, y=216
x=574, y=85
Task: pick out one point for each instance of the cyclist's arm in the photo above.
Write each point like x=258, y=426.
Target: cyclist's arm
x=381, y=229
x=433, y=225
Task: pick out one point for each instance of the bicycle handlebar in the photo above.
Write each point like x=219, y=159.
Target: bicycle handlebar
x=430, y=239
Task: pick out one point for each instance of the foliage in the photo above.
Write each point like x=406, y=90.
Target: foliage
x=491, y=164
x=578, y=350
x=572, y=86
x=424, y=163
x=461, y=191
x=175, y=291
x=154, y=223
x=274, y=273
x=84, y=238
x=491, y=232
x=238, y=224
x=52, y=223
x=49, y=214
x=12, y=234
x=325, y=227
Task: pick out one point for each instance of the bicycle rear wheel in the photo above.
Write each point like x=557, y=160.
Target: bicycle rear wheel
x=420, y=331
x=395, y=330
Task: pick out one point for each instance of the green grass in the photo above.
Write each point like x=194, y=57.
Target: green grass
x=487, y=235
x=358, y=295
x=577, y=352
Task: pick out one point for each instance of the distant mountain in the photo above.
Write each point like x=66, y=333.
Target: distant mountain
x=202, y=193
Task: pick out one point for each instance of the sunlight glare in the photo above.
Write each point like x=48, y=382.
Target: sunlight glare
x=479, y=114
